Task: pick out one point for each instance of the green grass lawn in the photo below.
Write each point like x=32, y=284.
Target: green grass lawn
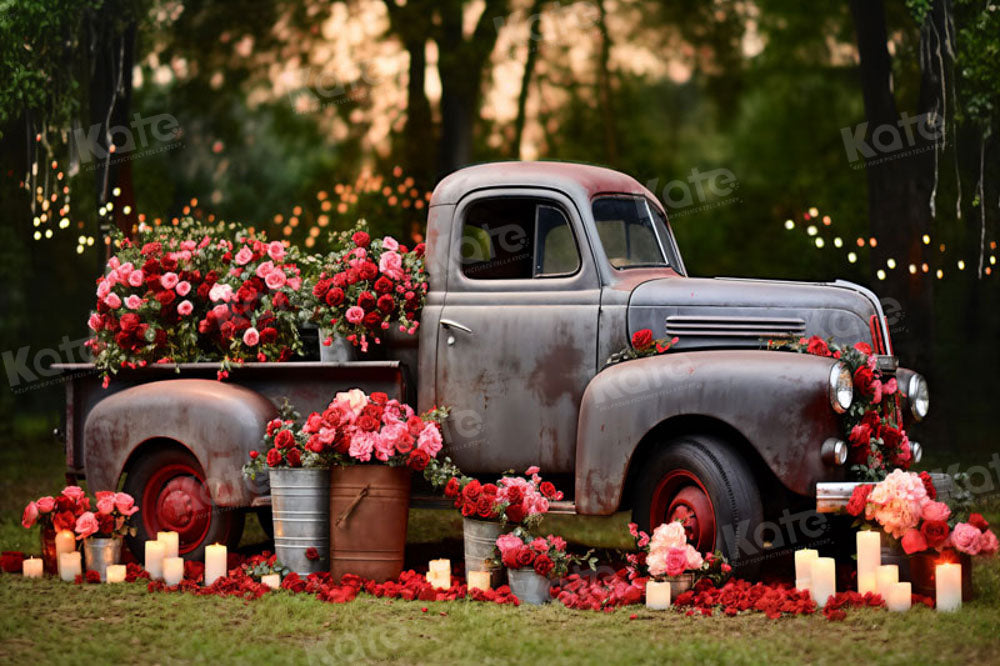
x=52, y=622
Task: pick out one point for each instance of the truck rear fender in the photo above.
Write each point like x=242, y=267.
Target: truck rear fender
x=774, y=403
x=218, y=423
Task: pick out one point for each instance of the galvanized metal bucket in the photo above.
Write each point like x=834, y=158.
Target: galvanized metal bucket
x=300, y=509
x=340, y=350
x=480, y=542
x=98, y=553
x=680, y=584
x=529, y=586
x=369, y=509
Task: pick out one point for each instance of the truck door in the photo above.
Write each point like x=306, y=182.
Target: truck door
x=518, y=338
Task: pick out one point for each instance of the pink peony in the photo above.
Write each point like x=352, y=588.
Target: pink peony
x=352, y=401
x=30, y=515
x=694, y=558
x=133, y=302
x=45, y=504
x=113, y=301
x=966, y=538
x=184, y=308
x=183, y=288
x=391, y=265
x=275, y=279
x=354, y=314
x=429, y=440
x=251, y=337
x=86, y=525
x=938, y=511
x=125, y=504
x=987, y=542
x=169, y=280
x=244, y=256
x=276, y=250
x=914, y=541
x=135, y=278
x=896, y=502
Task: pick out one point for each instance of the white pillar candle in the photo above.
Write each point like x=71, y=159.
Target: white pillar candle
x=31, y=568
x=479, y=580
x=948, y=585
x=70, y=566
x=886, y=576
x=438, y=579
x=273, y=581
x=170, y=541
x=657, y=595
x=900, y=597
x=215, y=562
x=153, y=562
x=869, y=543
x=802, y=584
x=440, y=567
x=65, y=543
x=803, y=562
x=116, y=573
x=823, y=579
x=173, y=570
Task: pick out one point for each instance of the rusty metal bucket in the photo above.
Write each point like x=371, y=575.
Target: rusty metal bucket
x=480, y=541
x=369, y=508
x=340, y=350
x=300, y=509
x=529, y=587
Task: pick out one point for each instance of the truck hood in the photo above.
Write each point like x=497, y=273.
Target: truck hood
x=738, y=313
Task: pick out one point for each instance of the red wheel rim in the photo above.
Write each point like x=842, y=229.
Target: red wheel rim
x=681, y=495
x=176, y=499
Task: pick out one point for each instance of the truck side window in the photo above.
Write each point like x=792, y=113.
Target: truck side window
x=517, y=239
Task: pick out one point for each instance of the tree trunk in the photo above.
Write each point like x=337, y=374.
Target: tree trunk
x=534, y=44
x=605, y=93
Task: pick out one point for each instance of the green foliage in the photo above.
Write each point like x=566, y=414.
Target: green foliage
x=976, y=58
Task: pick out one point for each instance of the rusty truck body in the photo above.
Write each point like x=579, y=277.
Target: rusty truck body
x=538, y=273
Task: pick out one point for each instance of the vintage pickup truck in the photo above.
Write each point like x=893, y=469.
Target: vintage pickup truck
x=538, y=273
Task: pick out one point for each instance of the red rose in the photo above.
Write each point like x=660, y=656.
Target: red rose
x=284, y=439
x=341, y=442
x=129, y=321
x=253, y=455
x=367, y=423
x=935, y=532
x=361, y=239
x=366, y=301
x=385, y=303
x=547, y=489
x=418, y=460
x=817, y=346
x=315, y=445
x=544, y=565
x=273, y=458
x=913, y=541
x=515, y=513
x=383, y=285
x=468, y=509
x=859, y=499
x=312, y=553
x=334, y=297
x=864, y=380
x=484, y=507
x=321, y=287
x=490, y=489
x=64, y=520
x=452, y=488
x=977, y=521
x=268, y=335
x=471, y=490
x=525, y=557
x=371, y=319
x=929, y=485
x=642, y=339
x=293, y=458
x=509, y=558
x=864, y=348
x=368, y=271
x=166, y=297
x=11, y=561
x=515, y=495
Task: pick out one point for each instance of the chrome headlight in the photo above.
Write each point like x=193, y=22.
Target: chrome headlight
x=918, y=396
x=841, y=388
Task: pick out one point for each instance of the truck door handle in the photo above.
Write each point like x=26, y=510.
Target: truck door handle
x=449, y=324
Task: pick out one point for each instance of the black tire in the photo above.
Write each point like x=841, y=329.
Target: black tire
x=168, y=470
x=266, y=519
x=678, y=469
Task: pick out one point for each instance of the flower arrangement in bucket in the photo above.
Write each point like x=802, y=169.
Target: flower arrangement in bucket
x=367, y=288
x=532, y=562
x=670, y=564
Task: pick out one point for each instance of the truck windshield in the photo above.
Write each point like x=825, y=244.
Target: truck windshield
x=632, y=233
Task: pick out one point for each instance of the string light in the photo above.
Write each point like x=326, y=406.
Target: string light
x=819, y=242
x=851, y=257
x=880, y=274
x=890, y=262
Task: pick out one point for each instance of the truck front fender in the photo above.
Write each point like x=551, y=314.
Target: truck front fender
x=218, y=423
x=778, y=401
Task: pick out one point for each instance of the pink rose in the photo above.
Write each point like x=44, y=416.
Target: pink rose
x=45, y=504
x=168, y=280
x=265, y=269
x=183, y=288
x=220, y=292
x=106, y=505
x=135, y=278
x=429, y=440
x=391, y=265
x=276, y=250
x=677, y=561
x=251, y=337
x=914, y=541
x=539, y=545
x=389, y=243
x=86, y=525
x=75, y=493
x=938, y=511
x=94, y=322
x=384, y=446
x=694, y=558
x=362, y=445
x=244, y=256
x=103, y=289
x=354, y=314
x=221, y=312
x=30, y=516
x=184, y=308
x=531, y=471
x=113, y=301
x=133, y=302
x=987, y=543
x=125, y=504
x=275, y=279
x=966, y=538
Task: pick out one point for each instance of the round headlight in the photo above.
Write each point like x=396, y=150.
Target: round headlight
x=919, y=396
x=841, y=388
